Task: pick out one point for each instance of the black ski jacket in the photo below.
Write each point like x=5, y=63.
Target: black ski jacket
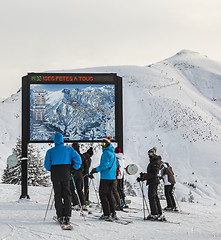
x=153, y=169
x=87, y=163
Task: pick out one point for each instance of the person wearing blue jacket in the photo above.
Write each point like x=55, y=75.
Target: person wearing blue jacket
x=59, y=160
x=108, y=169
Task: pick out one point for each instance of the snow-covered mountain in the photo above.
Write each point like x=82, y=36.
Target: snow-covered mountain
x=10, y=126
x=174, y=104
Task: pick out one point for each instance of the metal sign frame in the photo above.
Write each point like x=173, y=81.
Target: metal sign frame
x=66, y=78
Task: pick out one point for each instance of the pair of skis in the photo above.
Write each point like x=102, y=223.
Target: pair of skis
x=119, y=220
x=126, y=220
x=63, y=226
x=177, y=212
x=162, y=220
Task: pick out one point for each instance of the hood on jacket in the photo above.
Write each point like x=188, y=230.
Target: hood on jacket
x=58, y=139
x=90, y=151
x=109, y=148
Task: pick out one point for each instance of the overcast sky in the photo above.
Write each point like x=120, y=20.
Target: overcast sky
x=42, y=35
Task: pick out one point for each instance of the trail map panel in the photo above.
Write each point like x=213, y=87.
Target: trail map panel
x=78, y=111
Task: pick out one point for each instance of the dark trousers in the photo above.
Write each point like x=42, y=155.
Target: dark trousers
x=62, y=196
x=154, y=201
x=106, y=196
x=120, y=188
x=116, y=194
x=168, y=189
x=79, y=188
x=86, y=188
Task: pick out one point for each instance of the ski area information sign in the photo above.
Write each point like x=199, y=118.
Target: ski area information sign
x=82, y=107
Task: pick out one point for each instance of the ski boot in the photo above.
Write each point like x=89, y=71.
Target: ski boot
x=60, y=220
x=152, y=217
x=168, y=209
x=124, y=205
x=161, y=218
x=67, y=220
x=114, y=216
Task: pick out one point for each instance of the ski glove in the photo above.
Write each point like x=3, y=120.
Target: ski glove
x=93, y=171
x=143, y=177
x=91, y=176
x=139, y=179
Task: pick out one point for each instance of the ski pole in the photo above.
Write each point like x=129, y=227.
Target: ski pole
x=144, y=198
x=95, y=192
x=52, y=204
x=143, y=203
x=79, y=201
x=177, y=201
x=48, y=204
x=90, y=182
x=83, y=183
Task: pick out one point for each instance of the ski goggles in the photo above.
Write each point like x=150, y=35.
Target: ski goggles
x=150, y=153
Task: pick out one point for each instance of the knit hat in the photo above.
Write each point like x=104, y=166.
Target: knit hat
x=106, y=141
x=90, y=151
x=152, y=151
x=76, y=146
x=117, y=150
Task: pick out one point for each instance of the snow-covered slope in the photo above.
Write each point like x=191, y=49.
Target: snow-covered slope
x=10, y=126
x=174, y=105
x=23, y=219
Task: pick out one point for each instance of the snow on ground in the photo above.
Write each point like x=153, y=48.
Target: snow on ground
x=24, y=219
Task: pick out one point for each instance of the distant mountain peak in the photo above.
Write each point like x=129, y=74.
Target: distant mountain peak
x=186, y=51
x=185, y=55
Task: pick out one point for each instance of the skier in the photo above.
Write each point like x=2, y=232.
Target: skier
x=107, y=168
x=77, y=182
x=87, y=157
x=153, y=179
x=120, y=176
x=58, y=160
x=169, y=180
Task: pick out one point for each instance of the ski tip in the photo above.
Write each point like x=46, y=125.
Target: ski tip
x=68, y=227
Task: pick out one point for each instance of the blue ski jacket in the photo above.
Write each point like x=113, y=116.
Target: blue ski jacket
x=61, y=155
x=108, y=164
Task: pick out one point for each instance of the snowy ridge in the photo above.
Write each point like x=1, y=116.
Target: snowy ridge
x=174, y=105
x=10, y=126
